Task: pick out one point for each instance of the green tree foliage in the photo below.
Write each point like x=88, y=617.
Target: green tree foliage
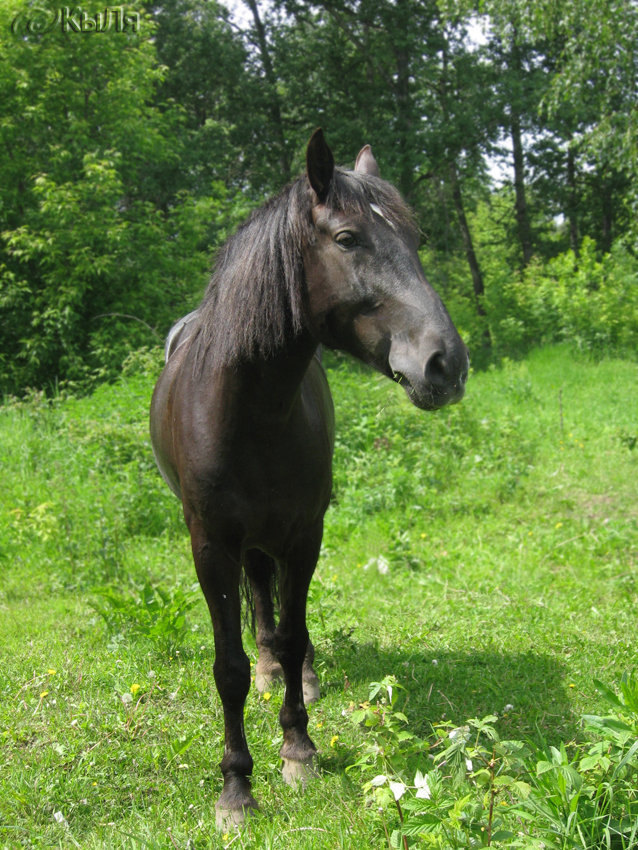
x=576, y=98
x=127, y=155
x=100, y=243
x=597, y=76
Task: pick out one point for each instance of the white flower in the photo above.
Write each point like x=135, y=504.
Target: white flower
x=508, y=707
x=382, y=565
x=422, y=786
x=461, y=732
x=381, y=779
x=468, y=765
x=398, y=789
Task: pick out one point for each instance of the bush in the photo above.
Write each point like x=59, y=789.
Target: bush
x=588, y=301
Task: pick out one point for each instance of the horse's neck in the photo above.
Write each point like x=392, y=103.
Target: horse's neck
x=281, y=378
x=272, y=385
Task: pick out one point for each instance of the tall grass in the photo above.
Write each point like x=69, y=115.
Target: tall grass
x=483, y=556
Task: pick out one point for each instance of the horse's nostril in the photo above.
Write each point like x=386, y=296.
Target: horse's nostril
x=436, y=371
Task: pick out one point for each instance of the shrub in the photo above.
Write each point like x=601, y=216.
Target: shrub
x=588, y=301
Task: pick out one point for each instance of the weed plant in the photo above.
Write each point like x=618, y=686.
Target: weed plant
x=466, y=787
x=482, y=558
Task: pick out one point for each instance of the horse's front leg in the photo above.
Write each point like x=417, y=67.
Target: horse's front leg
x=261, y=571
x=219, y=576
x=290, y=645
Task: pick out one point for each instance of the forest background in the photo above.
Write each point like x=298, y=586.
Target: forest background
x=128, y=155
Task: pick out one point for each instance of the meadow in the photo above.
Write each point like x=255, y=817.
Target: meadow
x=475, y=599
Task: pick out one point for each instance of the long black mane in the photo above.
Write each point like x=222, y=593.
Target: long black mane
x=255, y=300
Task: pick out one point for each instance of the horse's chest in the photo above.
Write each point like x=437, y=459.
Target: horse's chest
x=288, y=473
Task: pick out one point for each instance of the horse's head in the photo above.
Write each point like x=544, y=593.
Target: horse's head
x=367, y=292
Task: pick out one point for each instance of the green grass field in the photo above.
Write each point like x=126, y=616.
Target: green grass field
x=484, y=556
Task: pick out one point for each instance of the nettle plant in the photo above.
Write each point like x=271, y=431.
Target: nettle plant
x=468, y=788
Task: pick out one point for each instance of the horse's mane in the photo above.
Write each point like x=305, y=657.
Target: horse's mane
x=255, y=300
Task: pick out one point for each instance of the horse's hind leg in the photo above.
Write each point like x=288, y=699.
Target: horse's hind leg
x=310, y=680
x=219, y=578
x=290, y=646
x=261, y=571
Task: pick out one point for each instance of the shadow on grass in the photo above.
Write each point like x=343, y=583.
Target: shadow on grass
x=527, y=691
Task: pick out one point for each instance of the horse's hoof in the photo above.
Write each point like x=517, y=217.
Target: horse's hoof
x=311, y=691
x=227, y=819
x=298, y=773
x=264, y=680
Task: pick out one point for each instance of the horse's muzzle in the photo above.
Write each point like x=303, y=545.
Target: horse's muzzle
x=440, y=382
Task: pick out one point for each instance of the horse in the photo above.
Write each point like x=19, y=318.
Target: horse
x=242, y=420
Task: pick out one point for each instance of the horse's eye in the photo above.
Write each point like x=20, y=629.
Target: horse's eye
x=346, y=239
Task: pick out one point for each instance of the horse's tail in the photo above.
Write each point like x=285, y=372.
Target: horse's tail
x=270, y=571
x=178, y=334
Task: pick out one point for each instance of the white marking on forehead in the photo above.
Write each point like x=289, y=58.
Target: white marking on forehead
x=377, y=210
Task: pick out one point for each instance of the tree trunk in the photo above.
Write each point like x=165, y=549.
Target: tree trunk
x=271, y=82
x=475, y=270
x=574, y=241
x=403, y=102
x=607, y=205
x=522, y=217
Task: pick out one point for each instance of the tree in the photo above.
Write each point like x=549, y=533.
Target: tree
x=585, y=149
x=96, y=251
x=209, y=94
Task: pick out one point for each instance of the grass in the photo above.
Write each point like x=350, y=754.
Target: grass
x=485, y=556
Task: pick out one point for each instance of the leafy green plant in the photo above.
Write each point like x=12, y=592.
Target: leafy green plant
x=469, y=788
x=589, y=799
x=149, y=611
x=589, y=301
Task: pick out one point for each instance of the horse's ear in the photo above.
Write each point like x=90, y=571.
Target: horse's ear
x=366, y=163
x=320, y=164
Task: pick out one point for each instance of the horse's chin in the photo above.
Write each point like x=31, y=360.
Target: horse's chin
x=426, y=397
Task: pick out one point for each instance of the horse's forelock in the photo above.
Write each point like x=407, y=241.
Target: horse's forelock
x=358, y=193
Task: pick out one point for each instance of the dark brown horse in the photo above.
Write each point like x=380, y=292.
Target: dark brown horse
x=242, y=419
